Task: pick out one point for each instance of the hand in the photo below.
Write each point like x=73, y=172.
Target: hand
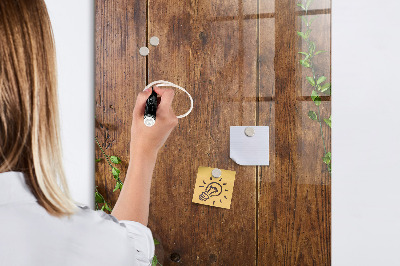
x=151, y=139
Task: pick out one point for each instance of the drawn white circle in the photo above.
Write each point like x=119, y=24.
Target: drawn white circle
x=163, y=83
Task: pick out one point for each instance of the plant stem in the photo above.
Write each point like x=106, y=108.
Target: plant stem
x=320, y=126
x=318, y=109
x=319, y=112
x=105, y=202
x=108, y=160
x=105, y=155
x=315, y=87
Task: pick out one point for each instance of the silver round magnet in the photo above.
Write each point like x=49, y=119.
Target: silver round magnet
x=249, y=131
x=216, y=173
x=154, y=41
x=143, y=51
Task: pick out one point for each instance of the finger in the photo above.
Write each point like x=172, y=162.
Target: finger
x=141, y=99
x=159, y=91
x=162, y=91
x=167, y=97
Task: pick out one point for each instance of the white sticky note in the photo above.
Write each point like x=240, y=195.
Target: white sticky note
x=252, y=150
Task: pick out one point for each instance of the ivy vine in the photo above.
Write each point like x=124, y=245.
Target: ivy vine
x=318, y=82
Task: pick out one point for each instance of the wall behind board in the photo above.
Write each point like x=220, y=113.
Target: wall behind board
x=365, y=134
x=73, y=31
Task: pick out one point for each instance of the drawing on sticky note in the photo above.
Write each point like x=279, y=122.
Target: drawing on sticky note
x=214, y=191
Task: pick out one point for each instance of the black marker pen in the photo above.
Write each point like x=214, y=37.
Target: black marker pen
x=150, y=109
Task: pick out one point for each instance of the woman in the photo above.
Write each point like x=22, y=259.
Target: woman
x=40, y=223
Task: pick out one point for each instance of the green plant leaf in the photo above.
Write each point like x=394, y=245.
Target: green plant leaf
x=328, y=121
x=115, y=159
x=315, y=97
x=156, y=242
x=107, y=207
x=327, y=158
x=321, y=79
x=317, y=101
x=319, y=52
x=311, y=81
x=98, y=197
x=154, y=262
x=314, y=94
x=115, y=172
x=302, y=6
x=118, y=185
x=304, y=63
x=311, y=21
x=304, y=53
x=325, y=87
x=328, y=91
x=302, y=35
x=312, y=115
x=98, y=160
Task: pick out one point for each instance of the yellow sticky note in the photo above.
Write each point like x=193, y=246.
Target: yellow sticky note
x=213, y=191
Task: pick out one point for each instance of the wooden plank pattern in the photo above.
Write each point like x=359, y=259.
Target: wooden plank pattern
x=120, y=75
x=207, y=57
x=239, y=61
x=294, y=194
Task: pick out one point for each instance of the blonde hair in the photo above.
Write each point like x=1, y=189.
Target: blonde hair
x=29, y=118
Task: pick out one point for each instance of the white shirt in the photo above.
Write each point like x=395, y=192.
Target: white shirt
x=31, y=236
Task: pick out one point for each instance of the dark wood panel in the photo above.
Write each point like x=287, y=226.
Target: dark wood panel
x=239, y=61
x=294, y=191
x=216, y=61
x=120, y=75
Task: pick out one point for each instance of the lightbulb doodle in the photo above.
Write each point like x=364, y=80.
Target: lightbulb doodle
x=214, y=191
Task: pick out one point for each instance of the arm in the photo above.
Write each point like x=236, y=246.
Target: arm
x=133, y=202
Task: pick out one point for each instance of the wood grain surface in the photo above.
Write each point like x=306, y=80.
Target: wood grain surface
x=120, y=75
x=239, y=61
x=294, y=191
x=198, y=58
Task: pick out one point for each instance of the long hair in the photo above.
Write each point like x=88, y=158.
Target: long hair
x=29, y=118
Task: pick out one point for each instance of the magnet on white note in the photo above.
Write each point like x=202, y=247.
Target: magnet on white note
x=249, y=145
x=249, y=131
